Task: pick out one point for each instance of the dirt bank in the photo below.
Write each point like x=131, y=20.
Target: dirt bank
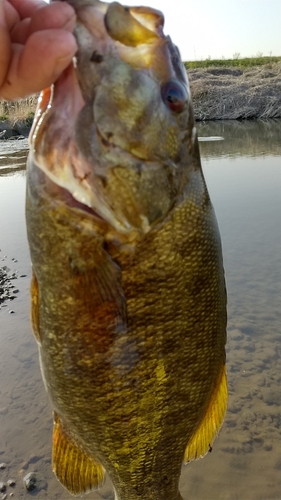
x=236, y=93
x=218, y=93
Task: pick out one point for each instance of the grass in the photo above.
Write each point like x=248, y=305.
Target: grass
x=246, y=62
x=18, y=111
x=227, y=93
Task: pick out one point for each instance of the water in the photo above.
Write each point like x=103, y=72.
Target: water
x=243, y=173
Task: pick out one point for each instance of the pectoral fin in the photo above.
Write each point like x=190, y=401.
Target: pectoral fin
x=34, y=291
x=74, y=469
x=202, y=439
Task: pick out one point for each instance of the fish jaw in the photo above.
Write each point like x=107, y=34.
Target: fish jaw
x=104, y=132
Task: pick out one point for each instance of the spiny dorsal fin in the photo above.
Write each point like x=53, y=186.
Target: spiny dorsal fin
x=202, y=439
x=74, y=469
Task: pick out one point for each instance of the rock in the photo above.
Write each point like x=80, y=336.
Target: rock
x=11, y=482
x=2, y=487
x=9, y=130
x=3, y=465
x=6, y=285
x=22, y=129
x=34, y=480
x=30, y=481
x=9, y=134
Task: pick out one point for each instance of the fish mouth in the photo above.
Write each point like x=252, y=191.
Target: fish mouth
x=71, y=178
x=64, y=196
x=71, y=139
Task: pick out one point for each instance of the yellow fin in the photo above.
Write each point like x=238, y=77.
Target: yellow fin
x=34, y=291
x=74, y=469
x=202, y=439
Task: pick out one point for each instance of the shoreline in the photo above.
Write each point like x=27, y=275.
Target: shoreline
x=218, y=93
x=236, y=93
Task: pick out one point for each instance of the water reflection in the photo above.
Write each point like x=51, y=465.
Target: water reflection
x=244, y=178
x=247, y=138
x=13, y=156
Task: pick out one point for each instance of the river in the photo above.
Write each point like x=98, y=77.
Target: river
x=242, y=168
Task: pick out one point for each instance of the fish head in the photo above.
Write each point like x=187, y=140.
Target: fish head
x=116, y=130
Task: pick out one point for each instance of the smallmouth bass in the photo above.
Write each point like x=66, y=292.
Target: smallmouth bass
x=128, y=291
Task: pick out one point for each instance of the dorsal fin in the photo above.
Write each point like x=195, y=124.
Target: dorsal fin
x=202, y=439
x=74, y=469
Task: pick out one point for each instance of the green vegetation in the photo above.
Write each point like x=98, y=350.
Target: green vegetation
x=246, y=62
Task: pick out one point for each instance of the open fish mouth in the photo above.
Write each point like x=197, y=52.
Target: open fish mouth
x=117, y=108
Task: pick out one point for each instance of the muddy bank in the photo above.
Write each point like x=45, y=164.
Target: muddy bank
x=14, y=130
x=236, y=93
x=218, y=93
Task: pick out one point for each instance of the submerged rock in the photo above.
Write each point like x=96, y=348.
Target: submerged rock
x=34, y=480
x=7, y=289
x=2, y=487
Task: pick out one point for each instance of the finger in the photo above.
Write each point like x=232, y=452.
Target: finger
x=57, y=15
x=27, y=7
x=5, y=53
x=6, y=14
x=20, y=32
x=39, y=63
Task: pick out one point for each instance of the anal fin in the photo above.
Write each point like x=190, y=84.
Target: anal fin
x=74, y=469
x=202, y=439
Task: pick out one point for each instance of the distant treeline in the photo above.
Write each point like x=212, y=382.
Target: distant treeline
x=243, y=62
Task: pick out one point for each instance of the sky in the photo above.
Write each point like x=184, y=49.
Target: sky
x=221, y=28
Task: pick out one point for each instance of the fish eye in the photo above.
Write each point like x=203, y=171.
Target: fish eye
x=174, y=95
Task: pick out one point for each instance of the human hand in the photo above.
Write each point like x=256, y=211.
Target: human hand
x=36, y=45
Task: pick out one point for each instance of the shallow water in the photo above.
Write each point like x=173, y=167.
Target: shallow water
x=243, y=173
